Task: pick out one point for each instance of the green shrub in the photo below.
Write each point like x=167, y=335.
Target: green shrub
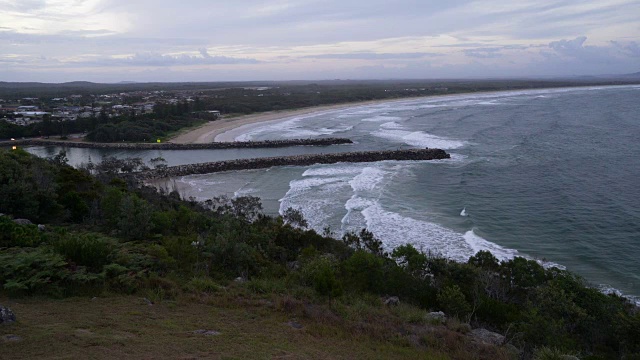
x=364, y=271
x=453, y=302
x=547, y=353
x=183, y=250
x=202, y=284
x=230, y=256
x=12, y=234
x=135, y=218
x=32, y=271
x=76, y=208
x=321, y=273
x=41, y=271
x=88, y=250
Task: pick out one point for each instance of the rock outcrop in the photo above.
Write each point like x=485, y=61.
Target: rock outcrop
x=436, y=317
x=22, y=221
x=487, y=337
x=296, y=160
x=392, y=301
x=6, y=315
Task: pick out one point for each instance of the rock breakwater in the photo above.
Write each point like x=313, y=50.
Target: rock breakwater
x=172, y=146
x=296, y=160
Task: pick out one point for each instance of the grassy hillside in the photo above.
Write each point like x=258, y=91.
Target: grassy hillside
x=268, y=285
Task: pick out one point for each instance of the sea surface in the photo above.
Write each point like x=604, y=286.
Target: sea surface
x=552, y=175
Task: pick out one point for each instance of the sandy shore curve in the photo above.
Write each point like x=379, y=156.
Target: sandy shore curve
x=210, y=131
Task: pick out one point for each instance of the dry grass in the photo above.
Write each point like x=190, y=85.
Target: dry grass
x=251, y=326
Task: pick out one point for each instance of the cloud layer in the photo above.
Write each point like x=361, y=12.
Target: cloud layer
x=161, y=40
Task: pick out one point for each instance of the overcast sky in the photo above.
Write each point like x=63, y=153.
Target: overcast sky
x=211, y=40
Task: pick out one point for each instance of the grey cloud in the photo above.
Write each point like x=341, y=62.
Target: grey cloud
x=484, y=53
x=154, y=30
x=493, y=52
x=577, y=50
x=630, y=48
x=569, y=47
x=373, y=56
x=302, y=22
x=106, y=38
x=159, y=60
x=23, y=6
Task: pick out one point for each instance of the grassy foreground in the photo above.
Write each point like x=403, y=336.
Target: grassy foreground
x=246, y=326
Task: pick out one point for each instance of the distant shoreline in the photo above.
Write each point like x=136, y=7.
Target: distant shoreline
x=176, y=146
x=214, y=131
x=210, y=132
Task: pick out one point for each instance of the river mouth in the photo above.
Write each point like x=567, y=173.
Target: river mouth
x=549, y=174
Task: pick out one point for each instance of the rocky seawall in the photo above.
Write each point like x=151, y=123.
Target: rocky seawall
x=296, y=160
x=172, y=146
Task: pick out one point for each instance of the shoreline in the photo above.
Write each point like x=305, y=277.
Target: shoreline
x=214, y=131
x=176, y=146
x=211, y=131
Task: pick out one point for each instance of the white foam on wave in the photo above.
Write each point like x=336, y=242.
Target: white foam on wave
x=606, y=289
x=315, y=197
x=197, y=181
x=493, y=98
x=288, y=130
x=368, y=179
x=391, y=125
x=430, y=106
x=288, y=127
x=381, y=118
x=331, y=171
x=398, y=230
x=491, y=102
x=418, y=139
x=271, y=126
x=365, y=110
x=357, y=187
x=309, y=183
x=477, y=243
x=244, y=192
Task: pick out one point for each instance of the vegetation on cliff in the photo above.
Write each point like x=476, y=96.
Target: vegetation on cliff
x=105, y=237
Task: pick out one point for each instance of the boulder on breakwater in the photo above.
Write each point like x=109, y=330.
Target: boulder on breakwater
x=296, y=160
x=172, y=146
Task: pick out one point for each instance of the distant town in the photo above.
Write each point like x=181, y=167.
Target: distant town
x=30, y=110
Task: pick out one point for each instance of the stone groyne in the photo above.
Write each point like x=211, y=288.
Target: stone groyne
x=172, y=146
x=296, y=160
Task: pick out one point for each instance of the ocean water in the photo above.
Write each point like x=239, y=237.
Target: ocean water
x=550, y=175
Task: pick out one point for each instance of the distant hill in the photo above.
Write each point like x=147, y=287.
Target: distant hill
x=336, y=88
x=633, y=76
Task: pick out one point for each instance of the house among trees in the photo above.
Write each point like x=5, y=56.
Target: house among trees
x=207, y=114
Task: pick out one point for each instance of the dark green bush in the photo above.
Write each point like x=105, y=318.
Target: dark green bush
x=40, y=271
x=14, y=235
x=90, y=250
x=364, y=271
x=452, y=302
x=321, y=273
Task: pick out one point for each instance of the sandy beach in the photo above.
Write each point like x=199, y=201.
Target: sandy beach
x=221, y=130
x=212, y=130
